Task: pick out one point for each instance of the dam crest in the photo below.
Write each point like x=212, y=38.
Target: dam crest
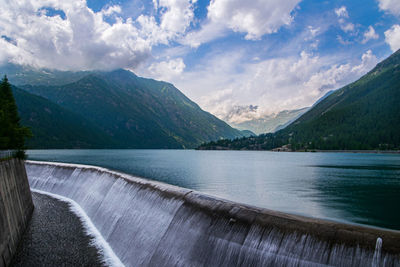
x=148, y=223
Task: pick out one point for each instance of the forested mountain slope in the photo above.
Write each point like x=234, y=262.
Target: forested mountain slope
x=114, y=109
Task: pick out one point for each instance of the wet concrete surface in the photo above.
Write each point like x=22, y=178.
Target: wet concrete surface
x=55, y=237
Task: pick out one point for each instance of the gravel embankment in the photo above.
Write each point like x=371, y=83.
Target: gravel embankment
x=55, y=237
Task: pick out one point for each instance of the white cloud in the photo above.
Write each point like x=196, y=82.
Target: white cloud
x=310, y=35
x=272, y=85
x=347, y=27
x=254, y=18
x=177, y=16
x=208, y=32
x=392, y=37
x=314, y=45
x=314, y=31
x=111, y=10
x=338, y=75
x=153, y=33
x=341, y=12
x=342, y=40
x=370, y=34
x=392, y=6
x=239, y=114
x=167, y=70
x=80, y=40
x=84, y=39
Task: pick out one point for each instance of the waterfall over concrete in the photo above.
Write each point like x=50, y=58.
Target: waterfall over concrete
x=148, y=223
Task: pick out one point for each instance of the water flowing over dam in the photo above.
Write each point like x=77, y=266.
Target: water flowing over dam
x=148, y=223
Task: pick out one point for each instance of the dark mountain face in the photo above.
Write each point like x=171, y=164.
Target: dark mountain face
x=361, y=115
x=55, y=127
x=127, y=111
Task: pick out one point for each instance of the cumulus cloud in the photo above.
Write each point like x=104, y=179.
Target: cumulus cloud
x=253, y=18
x=111, y=10
x=370, y=34
x=341, y=74
x=343, y=15
x=392, y=6
x=341, y=12
x=83, y=39
x=347, y=27
x=176, y=15
x=208, y=32
x=175, y=18
x=167, y=70
x=239, y=114
x=80, y=40
x=313, y=31
x=272, y=85
x=392, y=37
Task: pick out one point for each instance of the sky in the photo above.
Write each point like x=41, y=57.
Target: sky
x=237, y=59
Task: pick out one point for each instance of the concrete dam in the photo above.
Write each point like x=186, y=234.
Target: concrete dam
x=148, y=223
x=16, y=207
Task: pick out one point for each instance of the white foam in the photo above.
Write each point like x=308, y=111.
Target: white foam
x=138, y=180
x=377, y=254
x=99, y=242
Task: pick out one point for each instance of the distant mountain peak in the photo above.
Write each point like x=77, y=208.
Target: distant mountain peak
x=270, y=123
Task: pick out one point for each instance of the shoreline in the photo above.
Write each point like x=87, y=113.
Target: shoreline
x=224, y=149
x=346, y=151
x=308, y=151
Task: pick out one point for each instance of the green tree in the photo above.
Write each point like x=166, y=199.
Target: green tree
x=12, y=134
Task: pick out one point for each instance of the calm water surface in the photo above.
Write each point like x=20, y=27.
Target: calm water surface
x=357, y=188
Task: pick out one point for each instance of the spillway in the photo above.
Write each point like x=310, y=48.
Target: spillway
x=147, y=223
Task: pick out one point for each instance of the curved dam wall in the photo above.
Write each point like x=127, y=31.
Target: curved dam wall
x=148, y=223
x=16, y=207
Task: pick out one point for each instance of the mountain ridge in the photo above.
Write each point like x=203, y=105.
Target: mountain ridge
x=132, y=111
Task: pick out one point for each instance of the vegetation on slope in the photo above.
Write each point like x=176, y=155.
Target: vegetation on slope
x=55, y=127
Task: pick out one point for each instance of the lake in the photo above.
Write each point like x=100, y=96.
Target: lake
x=347, y=187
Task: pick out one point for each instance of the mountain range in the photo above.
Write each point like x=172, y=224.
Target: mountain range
x=116, y=109
x=270, y=123
x=363, y=115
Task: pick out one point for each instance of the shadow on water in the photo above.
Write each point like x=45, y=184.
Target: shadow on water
x=366, y=194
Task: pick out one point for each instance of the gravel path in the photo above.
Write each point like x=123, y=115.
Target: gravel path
x=55, y=237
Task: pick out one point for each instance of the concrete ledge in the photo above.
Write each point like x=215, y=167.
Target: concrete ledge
x=329, y=231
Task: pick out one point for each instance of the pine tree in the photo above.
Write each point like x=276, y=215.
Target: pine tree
x=12, y=134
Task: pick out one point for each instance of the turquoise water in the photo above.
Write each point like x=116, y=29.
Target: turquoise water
x=348, y=187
